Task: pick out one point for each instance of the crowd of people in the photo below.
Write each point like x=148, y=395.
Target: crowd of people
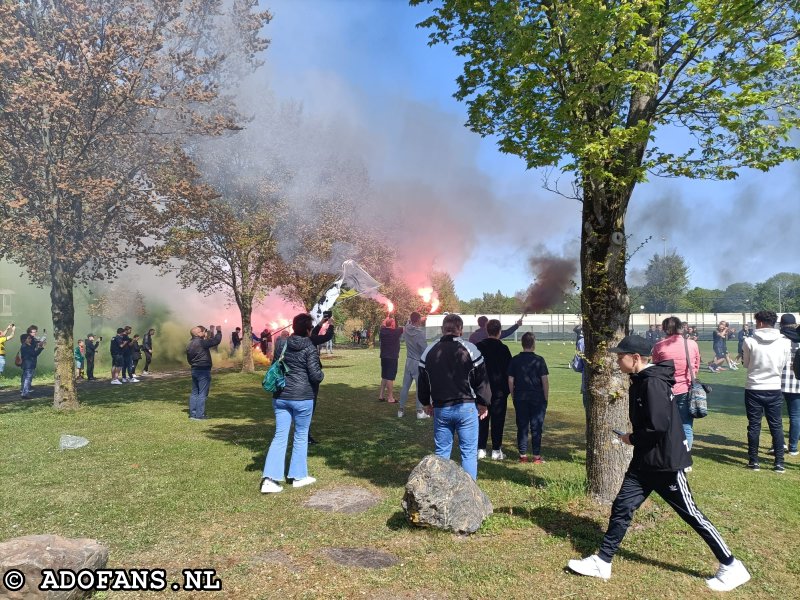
x=464, y=385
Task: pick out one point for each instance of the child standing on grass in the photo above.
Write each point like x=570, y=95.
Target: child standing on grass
x=530, y=388
x=80, y=359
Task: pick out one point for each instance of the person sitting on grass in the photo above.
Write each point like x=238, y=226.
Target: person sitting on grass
x=529, y=387
x=294, y=403
x=660, y=457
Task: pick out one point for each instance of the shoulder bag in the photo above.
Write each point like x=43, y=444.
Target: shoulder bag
x=697, y=396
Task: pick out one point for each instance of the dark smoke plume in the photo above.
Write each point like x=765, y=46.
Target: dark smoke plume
x=554, y=276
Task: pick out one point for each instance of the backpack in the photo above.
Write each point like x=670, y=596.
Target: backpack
x=576, y=364
x=796, y=363
x=275, y=377
x=18, y=360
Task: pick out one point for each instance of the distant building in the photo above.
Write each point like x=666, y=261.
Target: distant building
x=5, y=303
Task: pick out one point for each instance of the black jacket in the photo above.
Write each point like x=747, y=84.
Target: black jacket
x=30, y=354
x=452, y=371
x=197, y=352
x=136, y=351
x=658, y=440
x=303, y=369
x=91, y=349
x=497, y=357
x=318, y=339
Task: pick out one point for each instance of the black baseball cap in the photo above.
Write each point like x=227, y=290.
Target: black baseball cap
x=633, y=344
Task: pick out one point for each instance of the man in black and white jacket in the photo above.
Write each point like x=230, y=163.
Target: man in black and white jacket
x=454, y=389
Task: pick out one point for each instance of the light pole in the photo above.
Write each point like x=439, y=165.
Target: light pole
x=664, y=240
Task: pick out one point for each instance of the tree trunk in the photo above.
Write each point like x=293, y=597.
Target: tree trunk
x=246, y=312
x=605, y=307
x=62, y=308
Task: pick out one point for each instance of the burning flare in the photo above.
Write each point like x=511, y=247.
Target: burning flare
x=429, y=296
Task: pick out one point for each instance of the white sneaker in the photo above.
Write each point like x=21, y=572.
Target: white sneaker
x=421, y=414
x=400, y=414
x=145, y=373
x=772, y=450
x=481, y=453
x=124, y=380
x=116, y=382
x=591, y=566
x=133, y=380
x=498, y=455
x=270, y=487
x=729, y=578
x=307, y=480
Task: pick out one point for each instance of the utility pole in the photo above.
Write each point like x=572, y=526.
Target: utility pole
x=664, y=240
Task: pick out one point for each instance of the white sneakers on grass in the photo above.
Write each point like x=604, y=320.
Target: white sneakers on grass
x=270, y=487
x=481, y=454
x=729, y=578
x=498, y=455
x=307, y=480
x=421, y=414
x=591, y=566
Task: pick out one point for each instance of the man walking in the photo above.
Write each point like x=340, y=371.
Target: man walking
x=414, y=336
x=659, y=458
x=765, y=355
x=454, y=389
x=199, y=357
x=791, y=384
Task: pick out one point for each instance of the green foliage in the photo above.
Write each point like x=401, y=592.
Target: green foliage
x=594, y=81
x=738, y=297
x=667, y=278
x=492, y=304
x=442, y=283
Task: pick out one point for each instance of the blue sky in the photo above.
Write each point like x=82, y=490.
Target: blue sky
x=364, y=63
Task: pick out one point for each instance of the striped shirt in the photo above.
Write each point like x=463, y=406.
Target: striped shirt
x=789, y=383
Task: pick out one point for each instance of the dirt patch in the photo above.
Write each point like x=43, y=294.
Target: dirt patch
x=368, y=558
x=348, y=500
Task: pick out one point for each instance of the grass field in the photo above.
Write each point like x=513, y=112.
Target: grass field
x=162, y=491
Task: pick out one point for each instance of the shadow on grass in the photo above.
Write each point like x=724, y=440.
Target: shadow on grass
x=585, y=535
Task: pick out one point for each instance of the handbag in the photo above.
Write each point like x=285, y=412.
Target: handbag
x=18, y=360
x=576, y=364
x=697, y=396
x=275, y=377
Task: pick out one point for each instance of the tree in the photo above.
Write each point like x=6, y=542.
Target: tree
x=666, y=280
x=445, y=288
x=97, y=96
x=587, y=86
x=780, y=293
x=230, y=247
x=738, y=297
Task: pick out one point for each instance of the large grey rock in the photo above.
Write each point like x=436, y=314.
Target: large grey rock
x=440, y=494
x=32, y=553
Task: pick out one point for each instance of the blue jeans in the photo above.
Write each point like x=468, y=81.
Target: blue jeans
x=410, y=374
x=27, y=377
x=201, y=383
x=682, y=400
x=2, y=364
x=461, y=419
x=287, y=411
x=530, y=409
x=793, y=405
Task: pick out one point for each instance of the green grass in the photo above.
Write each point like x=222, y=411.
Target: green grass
x=165, y=492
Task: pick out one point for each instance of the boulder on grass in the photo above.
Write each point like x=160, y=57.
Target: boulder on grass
x=440, y=494
x=32, y=553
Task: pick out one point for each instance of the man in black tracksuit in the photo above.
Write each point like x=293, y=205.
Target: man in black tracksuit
x=660, y=455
